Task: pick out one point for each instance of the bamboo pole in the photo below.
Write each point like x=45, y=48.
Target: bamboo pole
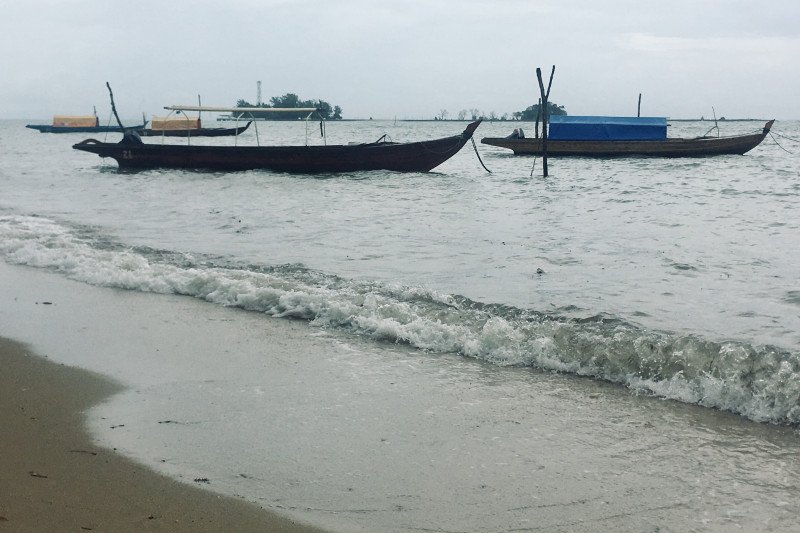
x=114, y=108
x=544, y=107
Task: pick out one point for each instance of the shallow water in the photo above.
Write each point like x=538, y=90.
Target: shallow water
x=673, y=278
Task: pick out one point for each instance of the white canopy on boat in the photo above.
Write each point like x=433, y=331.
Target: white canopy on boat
x=243, y=111
x=214, y=109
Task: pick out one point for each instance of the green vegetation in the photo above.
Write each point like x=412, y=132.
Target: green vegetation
x=532, y=112
x=323, y=108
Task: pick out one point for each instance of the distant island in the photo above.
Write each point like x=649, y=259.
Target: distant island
x=325, y=110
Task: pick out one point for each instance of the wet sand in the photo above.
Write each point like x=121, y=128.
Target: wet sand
x=53, y=478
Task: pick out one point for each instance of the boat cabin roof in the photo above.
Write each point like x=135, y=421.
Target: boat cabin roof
x=600, y=128
x=592, y=119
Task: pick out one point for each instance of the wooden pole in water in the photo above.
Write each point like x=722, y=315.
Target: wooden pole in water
x=544, y=107
x=538, y=117
x=639, y=107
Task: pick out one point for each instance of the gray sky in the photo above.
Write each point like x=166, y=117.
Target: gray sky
x=403, y=58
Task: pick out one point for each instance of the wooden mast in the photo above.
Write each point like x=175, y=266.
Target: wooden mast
x=114, y=108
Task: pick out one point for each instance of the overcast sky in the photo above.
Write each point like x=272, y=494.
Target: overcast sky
x=403, y=58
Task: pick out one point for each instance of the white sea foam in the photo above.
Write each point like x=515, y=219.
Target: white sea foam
x=761, y=383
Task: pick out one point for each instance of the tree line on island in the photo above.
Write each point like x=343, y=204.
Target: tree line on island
x=290, y=100
x=329, y=112
x=528, y=114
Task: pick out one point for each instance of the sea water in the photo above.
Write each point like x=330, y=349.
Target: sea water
x=536, y=324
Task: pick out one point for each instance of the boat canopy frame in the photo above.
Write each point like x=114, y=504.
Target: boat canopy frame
x=250, y=110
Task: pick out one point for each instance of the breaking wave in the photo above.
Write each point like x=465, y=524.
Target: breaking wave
x=759, y=382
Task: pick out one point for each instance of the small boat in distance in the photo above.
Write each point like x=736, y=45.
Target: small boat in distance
x=199, y=132
x=77, y=124
x=182, y=125
x=624, y=137
x=420, y=156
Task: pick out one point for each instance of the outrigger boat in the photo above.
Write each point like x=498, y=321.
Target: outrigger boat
x=624, y=137
x=422, y=156
x=193, y=132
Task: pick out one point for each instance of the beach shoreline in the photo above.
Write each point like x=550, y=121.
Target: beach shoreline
x=340, y=432
x=56, y=478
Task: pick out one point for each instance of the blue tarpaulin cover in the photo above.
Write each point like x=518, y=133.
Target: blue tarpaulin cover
x=575, y=128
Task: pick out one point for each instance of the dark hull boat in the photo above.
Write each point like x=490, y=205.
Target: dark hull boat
x=419, y=156
x=196, y=132
x=48, y=128
x=689, y=147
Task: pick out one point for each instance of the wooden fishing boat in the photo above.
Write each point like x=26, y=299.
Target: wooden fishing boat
x=61, y=127
x=620, y=142
x=421, y=156
x=132, y=153
x=193, y=132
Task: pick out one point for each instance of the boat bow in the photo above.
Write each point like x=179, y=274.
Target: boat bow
x=470, y=129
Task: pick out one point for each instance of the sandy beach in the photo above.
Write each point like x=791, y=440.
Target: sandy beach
x=54, y=478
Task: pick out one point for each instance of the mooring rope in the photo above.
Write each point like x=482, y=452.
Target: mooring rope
x=108, y=124
x=785, y=136
x=779, y=146
x=479, y=155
